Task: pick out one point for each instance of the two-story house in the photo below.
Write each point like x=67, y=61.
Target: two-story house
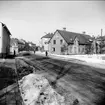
x=65, y=42
x=45, y=41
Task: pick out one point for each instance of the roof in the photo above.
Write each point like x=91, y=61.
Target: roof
x=6, y=28
x=13, y=42
x=69, y=37
x=49, y=35
x=21, y=41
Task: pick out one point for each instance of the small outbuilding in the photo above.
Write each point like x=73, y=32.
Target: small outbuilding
x=13, y=46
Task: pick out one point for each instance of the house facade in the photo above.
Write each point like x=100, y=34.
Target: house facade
x=100, y=41
x=4, y=40
x=45, y=42
x=65, y=42
x=13, y=46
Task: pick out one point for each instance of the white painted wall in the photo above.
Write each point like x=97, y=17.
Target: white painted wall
x=0, y=37
x=4, y=40
x=44, y=42
x=82, y=49
x=58, y=45
x=75, y=46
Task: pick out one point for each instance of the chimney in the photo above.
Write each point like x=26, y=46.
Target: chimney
x=101, y=32
x=84, y=32
x=64, y=29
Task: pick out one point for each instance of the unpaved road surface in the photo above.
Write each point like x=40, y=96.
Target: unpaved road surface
x=85, y=82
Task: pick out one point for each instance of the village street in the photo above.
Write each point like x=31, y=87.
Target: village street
x=84, y=82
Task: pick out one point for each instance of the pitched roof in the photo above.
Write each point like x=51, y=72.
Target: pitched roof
x=13, y=42
x=6, y=28
x=49, y=35
x=69, y=37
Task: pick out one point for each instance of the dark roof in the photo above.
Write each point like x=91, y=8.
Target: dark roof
x=69, y=37
x=49, y=35
x=13, y=41
x=6, y=28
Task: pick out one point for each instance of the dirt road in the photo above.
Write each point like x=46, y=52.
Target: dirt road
x=85, y=82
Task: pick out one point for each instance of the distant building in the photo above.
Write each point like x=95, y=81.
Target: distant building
x=101, y=44
x=21, y=44
x=14, y=46
x=45, y=41
x=4, y=40
x=32, y=46
x=65, y=42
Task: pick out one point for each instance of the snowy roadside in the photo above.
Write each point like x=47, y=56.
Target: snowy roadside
x=92, y=60
x=36, y=90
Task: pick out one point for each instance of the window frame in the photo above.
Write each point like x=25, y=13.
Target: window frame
x=53, y=49
x=61, y=41
x=54, y=41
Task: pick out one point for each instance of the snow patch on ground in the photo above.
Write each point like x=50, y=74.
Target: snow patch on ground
x=36, y=90
x=95, y=58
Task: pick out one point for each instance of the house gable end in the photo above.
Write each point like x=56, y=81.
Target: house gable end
x=58, y=33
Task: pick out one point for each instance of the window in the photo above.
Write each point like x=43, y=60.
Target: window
x=53, y=49
x=62, y=49
x=54, y=41
x=45, y=42
x=61, y=41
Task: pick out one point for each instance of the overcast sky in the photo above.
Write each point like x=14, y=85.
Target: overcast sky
x=30, y=20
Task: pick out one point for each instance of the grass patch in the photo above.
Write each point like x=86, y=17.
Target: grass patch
x=7, y=76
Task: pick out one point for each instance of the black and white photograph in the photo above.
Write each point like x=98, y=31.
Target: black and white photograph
x=52, y=52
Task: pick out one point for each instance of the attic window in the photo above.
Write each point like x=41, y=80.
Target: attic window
x=46, y=42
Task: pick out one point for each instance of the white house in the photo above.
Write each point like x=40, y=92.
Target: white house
x=4, y=40
x=13, y=46
x=45, y=41
x=65, y=42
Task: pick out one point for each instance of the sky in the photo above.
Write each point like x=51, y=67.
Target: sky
x=30, y=20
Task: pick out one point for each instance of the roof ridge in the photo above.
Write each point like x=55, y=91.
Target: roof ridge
x=67, y=35
x=72, y=32
x=48, y=35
